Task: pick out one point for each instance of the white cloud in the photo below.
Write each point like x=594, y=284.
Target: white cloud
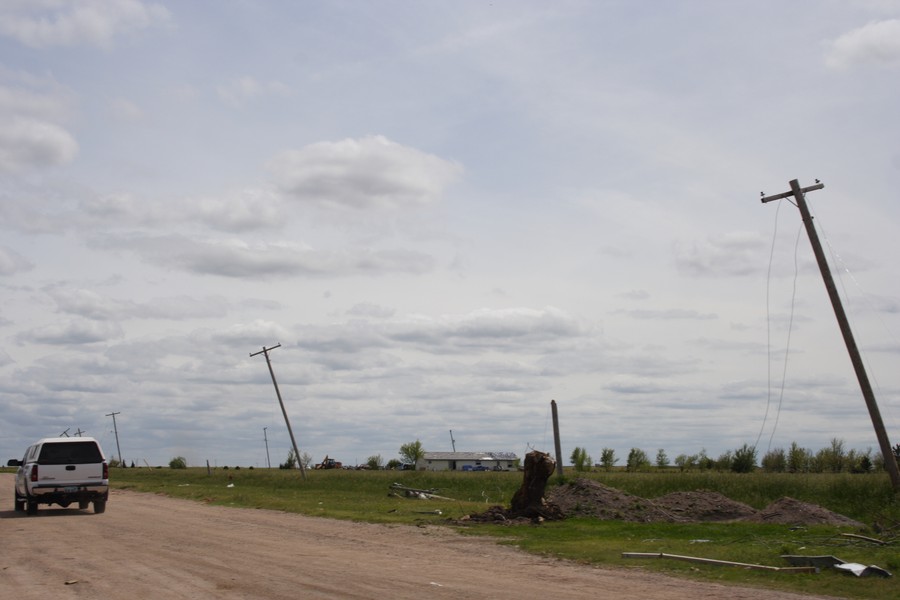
x=231, y=211
x=876, y=43
x=33, y=110
x=366, y=173
x=11, y=262
x=92, y=305
x=734, y=254
x=246, y=210
x=26, y=142
x=667, y=314
x=239, y=259
x=126, y=110
x=239, y=91
x=72, y=331
x=28, y=96
x=525, y=329
x=43, y=23
x=369, y=309
x=257, y=333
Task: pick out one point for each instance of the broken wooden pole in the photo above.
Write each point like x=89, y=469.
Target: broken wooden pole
x=528, y=501
x=556, y=442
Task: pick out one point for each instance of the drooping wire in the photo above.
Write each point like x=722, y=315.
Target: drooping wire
x=769, y=335
x=769, y=328
x=787, y=348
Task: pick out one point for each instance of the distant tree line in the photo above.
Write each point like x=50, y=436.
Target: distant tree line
x=410, y=453
x=833, y=459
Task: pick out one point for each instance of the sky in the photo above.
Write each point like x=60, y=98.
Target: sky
x=447, y=214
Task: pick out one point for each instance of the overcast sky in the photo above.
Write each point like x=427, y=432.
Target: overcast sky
x=448, y=214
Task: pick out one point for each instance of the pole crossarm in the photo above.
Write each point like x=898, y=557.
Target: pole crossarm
x=890, y=462
x=810, y=188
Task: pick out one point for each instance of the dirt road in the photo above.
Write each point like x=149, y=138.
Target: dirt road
x=148, y=547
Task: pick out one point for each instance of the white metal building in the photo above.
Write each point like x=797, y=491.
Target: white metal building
x=468, y=461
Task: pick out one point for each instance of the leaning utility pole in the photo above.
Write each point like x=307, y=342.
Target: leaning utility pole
x=890, y=462
x=116, y=429
x=284, y=412
x=266, y=438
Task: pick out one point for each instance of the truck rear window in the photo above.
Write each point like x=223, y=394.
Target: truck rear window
x=68, y=453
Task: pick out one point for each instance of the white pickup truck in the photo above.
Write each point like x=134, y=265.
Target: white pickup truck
x=62, y=471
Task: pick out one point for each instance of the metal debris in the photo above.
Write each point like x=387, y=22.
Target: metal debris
x=837, y=563
x=409, y=492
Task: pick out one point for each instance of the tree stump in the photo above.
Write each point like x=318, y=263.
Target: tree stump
x=529, y=501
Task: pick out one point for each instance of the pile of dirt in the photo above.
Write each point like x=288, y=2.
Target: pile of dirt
x=704, y=506
x=588, y=498
x=584, y=497
x=789, y=511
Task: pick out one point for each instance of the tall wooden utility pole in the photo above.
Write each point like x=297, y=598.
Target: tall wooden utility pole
x=116, y=430
x=890, y=462
x=284, y=412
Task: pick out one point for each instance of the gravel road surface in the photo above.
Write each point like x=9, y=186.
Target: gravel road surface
x=147, y=546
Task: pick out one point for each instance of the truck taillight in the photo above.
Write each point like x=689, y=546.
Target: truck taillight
x=34, y=473
x=105, y=471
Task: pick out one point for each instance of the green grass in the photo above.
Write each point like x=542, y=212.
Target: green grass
x=339, y=494
x=366, y=496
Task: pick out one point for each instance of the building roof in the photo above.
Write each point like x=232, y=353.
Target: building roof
x=470, y=456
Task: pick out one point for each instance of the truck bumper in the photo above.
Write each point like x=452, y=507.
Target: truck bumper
x=59, y=494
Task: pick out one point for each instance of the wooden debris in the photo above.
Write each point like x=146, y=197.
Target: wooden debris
x=712, y=561
x=868, y=539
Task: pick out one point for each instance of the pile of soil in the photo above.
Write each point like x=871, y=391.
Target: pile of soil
x=789, y=511
x=588, y=498
x=704, y=506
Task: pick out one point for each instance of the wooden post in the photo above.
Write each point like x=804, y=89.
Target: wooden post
x=556, y=442
x=890, y=462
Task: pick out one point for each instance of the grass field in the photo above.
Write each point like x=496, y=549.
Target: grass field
x=366, y=496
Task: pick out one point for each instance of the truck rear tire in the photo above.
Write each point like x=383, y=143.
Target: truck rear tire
x=99, y=507
x=31, y=507
x=19, y=505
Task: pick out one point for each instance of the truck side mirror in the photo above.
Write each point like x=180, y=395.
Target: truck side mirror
x=13, y=463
